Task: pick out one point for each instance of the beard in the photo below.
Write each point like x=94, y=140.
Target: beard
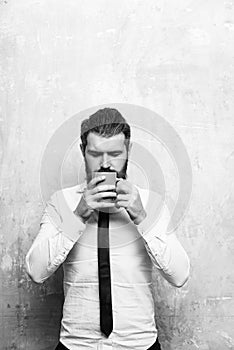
x=120, y=174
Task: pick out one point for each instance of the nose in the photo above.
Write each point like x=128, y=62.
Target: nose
x=105, y=162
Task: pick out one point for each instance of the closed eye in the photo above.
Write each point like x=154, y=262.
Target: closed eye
x=114, y=154
x=95, y=154
x=99, y=154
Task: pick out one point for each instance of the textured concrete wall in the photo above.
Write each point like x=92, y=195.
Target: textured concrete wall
x=174, y=57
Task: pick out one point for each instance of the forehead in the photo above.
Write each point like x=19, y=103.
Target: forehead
x=100, y=143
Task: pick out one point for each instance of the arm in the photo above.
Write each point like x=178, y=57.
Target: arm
x=165, y=251
x=59, y=231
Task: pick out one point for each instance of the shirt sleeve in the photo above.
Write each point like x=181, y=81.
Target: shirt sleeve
x=164, y=249
x=59, y=230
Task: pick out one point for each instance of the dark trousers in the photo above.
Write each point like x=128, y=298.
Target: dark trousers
x=155, y=346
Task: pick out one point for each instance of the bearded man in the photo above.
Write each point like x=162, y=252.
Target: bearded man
x=108, y=245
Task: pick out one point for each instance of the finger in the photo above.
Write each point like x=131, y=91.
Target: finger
x=124, y=197
x=95, y=181
x=121, y=187
x=101, y=195
x=102, y=188
x=101, y=205
x=121, y=204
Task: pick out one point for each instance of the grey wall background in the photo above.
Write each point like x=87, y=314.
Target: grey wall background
x=174, y=57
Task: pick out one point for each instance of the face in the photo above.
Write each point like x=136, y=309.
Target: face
x=103, y=154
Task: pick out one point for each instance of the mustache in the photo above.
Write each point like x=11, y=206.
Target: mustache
x=106, y=170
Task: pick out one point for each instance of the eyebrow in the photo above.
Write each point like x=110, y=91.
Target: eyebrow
x=98, y=152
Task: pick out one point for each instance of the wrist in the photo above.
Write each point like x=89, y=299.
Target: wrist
x=140, y=218
x=83, y=211
x=84, y=217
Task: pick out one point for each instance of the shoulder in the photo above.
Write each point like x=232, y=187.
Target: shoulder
x=154, y=205
x=68, y=196
x=158, y=213
x=148, y=195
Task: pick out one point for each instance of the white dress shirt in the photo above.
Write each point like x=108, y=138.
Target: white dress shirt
x=66, y=239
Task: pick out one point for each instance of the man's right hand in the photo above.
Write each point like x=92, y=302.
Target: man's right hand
x=92, y=198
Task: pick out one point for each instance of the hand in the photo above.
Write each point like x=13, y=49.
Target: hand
x=129, y=198
x=92, y=196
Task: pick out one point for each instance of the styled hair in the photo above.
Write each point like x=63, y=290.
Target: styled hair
x=106, y=122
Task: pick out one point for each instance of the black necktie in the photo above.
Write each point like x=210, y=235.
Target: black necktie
x=104, y=276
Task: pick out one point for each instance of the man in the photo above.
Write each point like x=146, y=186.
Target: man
x=107, y=264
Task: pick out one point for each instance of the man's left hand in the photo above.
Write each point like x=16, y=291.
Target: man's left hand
x=129, y=198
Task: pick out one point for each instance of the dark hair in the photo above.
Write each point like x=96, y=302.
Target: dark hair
x=105, y=122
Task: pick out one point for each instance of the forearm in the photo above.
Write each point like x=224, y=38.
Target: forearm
x=44, y=257
x=59, y=230
x=165, y=251
x=170, y=258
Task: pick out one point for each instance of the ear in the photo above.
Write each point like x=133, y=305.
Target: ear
x=82, y=149
x=129, y=147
